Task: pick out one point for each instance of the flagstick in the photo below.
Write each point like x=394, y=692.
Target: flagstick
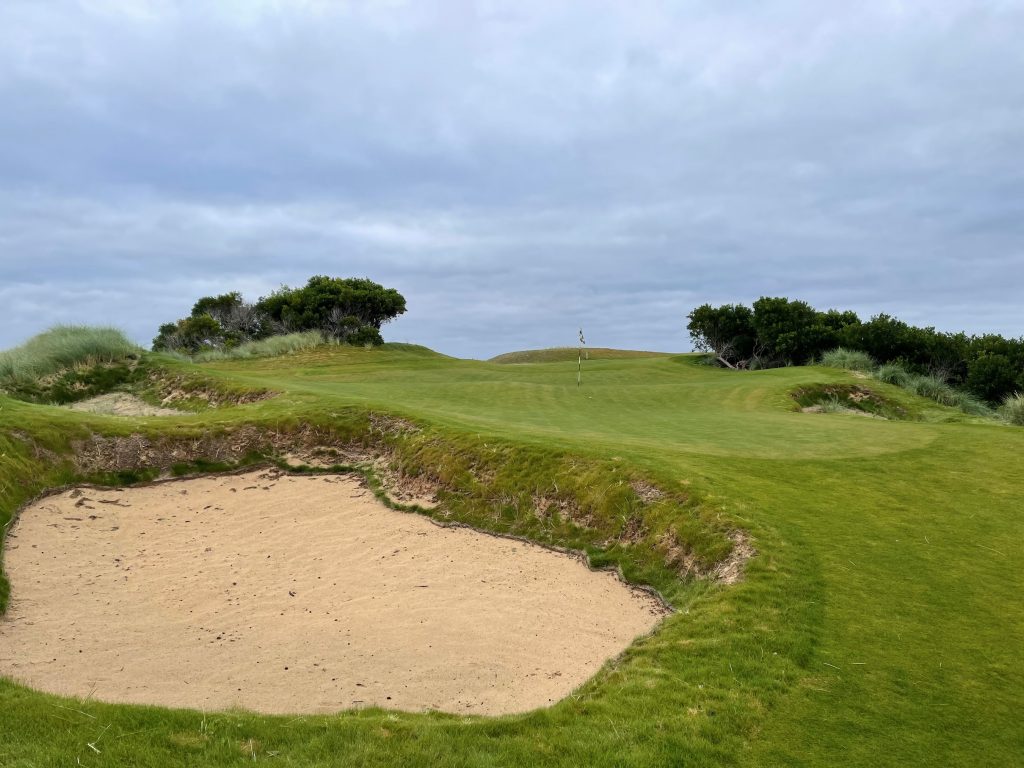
x=579, y=362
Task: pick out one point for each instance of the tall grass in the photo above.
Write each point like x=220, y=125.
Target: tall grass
x=1013, y=409
x=848, y=359
x=64, y=347
x=933, y=388
x=272, y=346
x=893, y=373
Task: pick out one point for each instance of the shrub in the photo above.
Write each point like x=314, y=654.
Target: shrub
x=62, y=348
x=992, y=377
x=726, y=331
x=893, y=373
x=1013, y=409
x=348, y=309
x=848, y=359
x=351, y=310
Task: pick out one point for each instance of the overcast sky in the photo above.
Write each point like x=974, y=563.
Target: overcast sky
x=516, y=169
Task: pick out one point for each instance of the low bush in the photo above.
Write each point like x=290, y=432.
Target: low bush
x=1013, y=409
x=848, y=359
x=993, y=377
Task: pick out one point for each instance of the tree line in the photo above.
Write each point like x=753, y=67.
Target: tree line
x=350, y=310
x=778, y=331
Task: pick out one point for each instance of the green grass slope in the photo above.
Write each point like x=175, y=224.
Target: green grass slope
x=561, y=354
x=880, y=623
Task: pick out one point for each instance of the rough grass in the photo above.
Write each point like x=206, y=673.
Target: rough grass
x=846, y=398
x=64, y=347
x=893, y=373
x=273, y=346
x=848, y=359
x=875, y=626
x=1013, y=409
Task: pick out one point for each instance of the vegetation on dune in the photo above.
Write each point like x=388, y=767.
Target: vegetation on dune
x=848, y=359
x=272, y=346
x=349, y=310
x=778, y=332
x=68, y=363
x=1013, y=409
x=893, y=373
x=870, y=629
x=64, y=347
x=839, y=398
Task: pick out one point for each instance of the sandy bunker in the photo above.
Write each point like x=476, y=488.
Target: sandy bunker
x=297, y=594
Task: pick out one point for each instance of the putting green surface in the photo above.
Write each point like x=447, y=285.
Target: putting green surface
x=881, y=622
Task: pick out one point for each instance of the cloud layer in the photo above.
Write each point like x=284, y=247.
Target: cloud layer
x=515, y=169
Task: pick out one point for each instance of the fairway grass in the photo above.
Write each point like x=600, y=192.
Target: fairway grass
x=880, y=622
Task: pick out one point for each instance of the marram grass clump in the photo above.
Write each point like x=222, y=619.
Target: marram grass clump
x=934, y=388
x=273, y=346
x=893, y=373
x=1013, y=409
x=848, y=360
x=64, y=347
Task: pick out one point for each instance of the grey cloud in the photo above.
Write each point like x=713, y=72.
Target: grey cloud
x=516, y=169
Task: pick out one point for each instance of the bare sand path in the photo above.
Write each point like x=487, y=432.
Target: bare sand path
x=297, y=594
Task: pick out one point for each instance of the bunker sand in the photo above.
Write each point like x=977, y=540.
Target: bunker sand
x=298, y=594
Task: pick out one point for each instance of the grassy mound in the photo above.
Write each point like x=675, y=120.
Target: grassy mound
x=875, y=619
x=68, y=363
x=565, y=354
x=64, y=347
x=839, y=398
x=848, y=359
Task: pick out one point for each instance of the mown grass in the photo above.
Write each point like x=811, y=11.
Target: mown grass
x=561, y=354
x=876, y=625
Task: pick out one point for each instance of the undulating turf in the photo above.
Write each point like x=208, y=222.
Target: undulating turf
x=879, y=624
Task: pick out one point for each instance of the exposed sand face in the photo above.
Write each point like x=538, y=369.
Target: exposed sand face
x=121, y=404
x=293, y=594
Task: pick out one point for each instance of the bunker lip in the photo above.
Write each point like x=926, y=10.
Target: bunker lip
x=206, y=592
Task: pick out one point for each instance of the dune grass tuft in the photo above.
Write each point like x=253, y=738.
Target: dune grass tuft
x=934, y=388
x=971, y=405
x=893, y=373
x=1013, y=409
x=273, y=346
x=64, y=347
x=848, y=360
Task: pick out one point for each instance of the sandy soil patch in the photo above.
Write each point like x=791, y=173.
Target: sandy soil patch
x=121, y=404
x=297, y=594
